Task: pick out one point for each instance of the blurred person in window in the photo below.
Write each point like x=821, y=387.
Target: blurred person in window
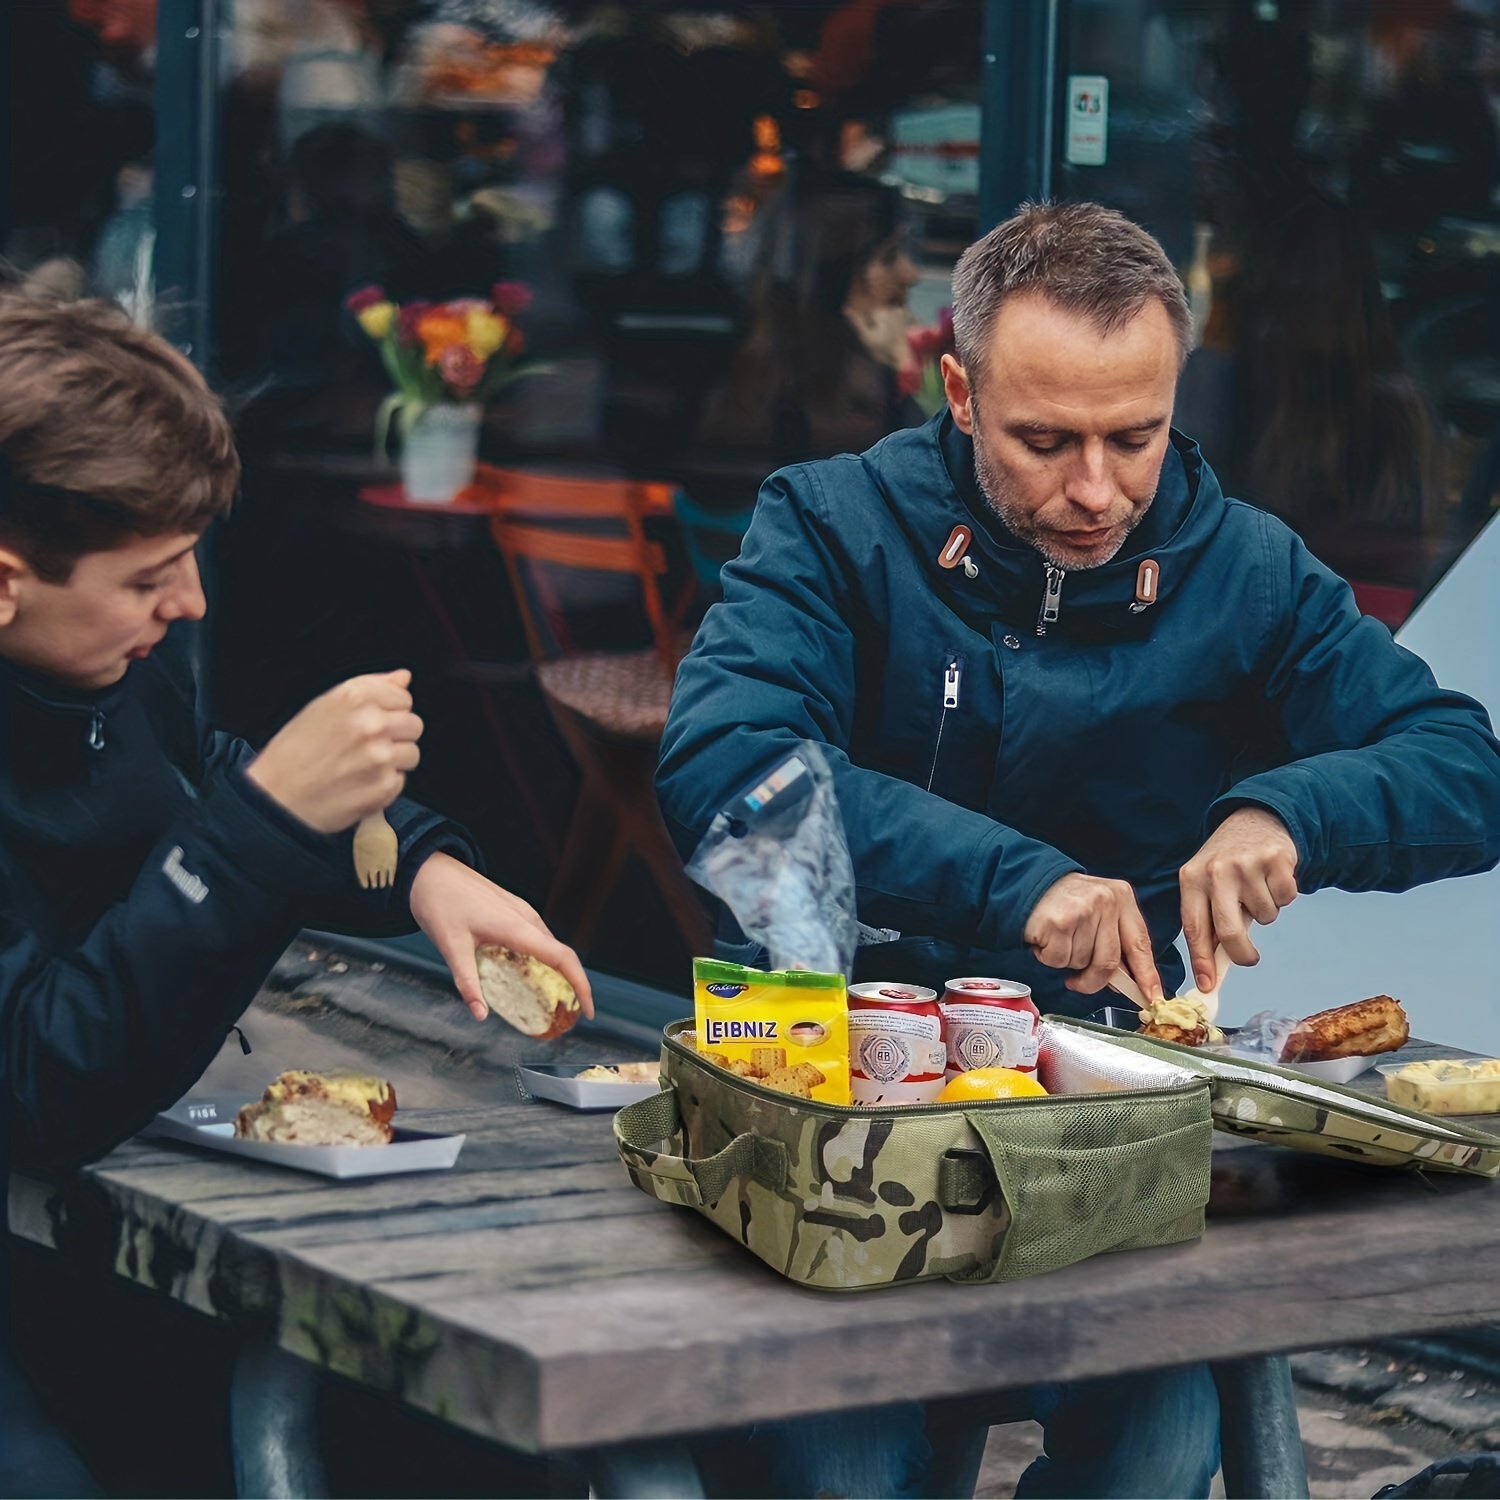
x=122, y=26
x=827, y=316
x=340, y=230
x=1430, y=150
x=1332, y=433
x=76, y=95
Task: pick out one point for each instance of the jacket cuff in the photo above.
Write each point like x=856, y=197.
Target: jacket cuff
x=256, y=834
x=447, y=838
x=1024, y=876
x=1254, y=793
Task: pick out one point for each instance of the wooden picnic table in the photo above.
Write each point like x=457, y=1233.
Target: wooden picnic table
x=532, y=1295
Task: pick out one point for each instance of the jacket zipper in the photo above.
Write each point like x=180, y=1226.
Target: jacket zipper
x=953, y=676
x=96, y=730
x=1051, y=598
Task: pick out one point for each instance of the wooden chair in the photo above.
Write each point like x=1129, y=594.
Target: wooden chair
x=560, y=536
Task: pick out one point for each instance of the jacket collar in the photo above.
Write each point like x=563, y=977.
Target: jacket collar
x=929, y=475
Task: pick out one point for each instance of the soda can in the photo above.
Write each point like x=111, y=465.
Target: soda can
x=897, y=1051
x=989, y=1023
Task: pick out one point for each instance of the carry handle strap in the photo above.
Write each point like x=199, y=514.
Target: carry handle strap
x=699, y=1182
x=966, y=1182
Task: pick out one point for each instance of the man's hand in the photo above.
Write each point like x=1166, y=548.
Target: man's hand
x=346, y=755
x=1247, y=869
x=1093, y=925
x=459, y=909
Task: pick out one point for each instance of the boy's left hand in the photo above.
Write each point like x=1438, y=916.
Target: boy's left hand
x=459, y=910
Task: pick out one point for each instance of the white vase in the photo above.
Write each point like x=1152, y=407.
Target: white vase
x=439, y=453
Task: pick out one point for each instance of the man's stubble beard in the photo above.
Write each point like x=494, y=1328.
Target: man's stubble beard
x=998, y=493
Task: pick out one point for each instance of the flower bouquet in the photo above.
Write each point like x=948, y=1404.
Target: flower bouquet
x=445, y=360
x=921, y=377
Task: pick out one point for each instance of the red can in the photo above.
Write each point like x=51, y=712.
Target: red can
x=989, y=1023
x=897, y=1051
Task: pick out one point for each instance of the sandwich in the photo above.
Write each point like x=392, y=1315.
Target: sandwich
x=532, y=996
x=321, y=1109
x=626, y=1072
x=1363, y=1029
x=1183, y=1020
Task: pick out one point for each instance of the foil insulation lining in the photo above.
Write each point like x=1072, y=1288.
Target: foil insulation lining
x=1073, y=1062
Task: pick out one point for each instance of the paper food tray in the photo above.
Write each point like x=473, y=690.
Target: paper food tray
x=1336, y=1069
x=560, y=1083
x=210, y=1123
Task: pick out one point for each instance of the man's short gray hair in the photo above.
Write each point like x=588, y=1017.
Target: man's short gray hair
x=1082, y=257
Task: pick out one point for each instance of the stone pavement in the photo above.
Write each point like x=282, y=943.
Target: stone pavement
x=1369, y=1417
x=1367, y=1420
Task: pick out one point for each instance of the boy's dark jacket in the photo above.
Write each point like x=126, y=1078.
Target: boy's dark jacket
x=146, y=889
x=1113, y=743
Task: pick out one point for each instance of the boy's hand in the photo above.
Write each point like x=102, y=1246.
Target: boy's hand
x=459, y=910
x=346, y=755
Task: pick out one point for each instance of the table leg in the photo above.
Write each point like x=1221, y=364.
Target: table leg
x=643, y=1471
x=273, y=1398
x=1261, y=1442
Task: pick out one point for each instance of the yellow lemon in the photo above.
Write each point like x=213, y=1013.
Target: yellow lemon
x=990, y=1083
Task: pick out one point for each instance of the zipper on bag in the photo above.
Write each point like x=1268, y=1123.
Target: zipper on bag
x=953, y=676
x=1051, y=598
x=866, y=1111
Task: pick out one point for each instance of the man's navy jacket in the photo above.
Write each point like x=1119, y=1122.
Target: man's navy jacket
x=980, y=752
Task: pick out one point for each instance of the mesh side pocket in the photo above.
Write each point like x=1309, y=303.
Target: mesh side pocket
x=1070, y=1199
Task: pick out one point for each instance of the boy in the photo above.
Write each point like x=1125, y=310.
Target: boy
x=151, y=872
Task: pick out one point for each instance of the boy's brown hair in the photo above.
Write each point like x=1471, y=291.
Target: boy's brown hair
x=106, y=434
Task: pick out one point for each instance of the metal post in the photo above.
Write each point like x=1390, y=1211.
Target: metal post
x=1018, y=88
x=273, y=1399
x=1259, y=1436
x=187, y=172
x=643, y=1471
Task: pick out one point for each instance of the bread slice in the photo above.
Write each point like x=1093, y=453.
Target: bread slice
x=1364, y=1029
x=321, y=1109
x=532, y=996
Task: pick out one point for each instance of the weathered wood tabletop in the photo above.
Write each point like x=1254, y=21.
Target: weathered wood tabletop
x=532, y=1295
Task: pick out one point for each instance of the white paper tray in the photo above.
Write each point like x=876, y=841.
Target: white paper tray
x=560, y=1083
x=1336, y=1069
x=210, y=1123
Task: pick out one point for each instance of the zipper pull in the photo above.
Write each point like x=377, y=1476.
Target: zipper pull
x=96, y=730
x=1051, y=598
x=952, y=676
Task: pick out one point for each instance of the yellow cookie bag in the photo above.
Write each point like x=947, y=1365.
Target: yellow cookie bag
x=788, y=1029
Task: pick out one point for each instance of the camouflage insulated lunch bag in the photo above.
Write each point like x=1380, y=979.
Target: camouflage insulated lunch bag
x=842, y=1197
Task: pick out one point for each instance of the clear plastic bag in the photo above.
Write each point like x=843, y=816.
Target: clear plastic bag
x=1262, y=1036
x=777, y=857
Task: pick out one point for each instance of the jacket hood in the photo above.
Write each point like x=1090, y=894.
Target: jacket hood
x=927, y=474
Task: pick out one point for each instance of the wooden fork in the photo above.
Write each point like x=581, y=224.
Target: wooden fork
x=375, y=850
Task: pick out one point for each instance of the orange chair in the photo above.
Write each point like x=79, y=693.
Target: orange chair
x=565, y=540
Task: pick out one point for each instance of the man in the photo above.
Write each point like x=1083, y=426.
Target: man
x=1074, y=698
x=151, y=872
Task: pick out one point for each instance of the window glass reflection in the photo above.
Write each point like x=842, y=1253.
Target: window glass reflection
x=1326, y=178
